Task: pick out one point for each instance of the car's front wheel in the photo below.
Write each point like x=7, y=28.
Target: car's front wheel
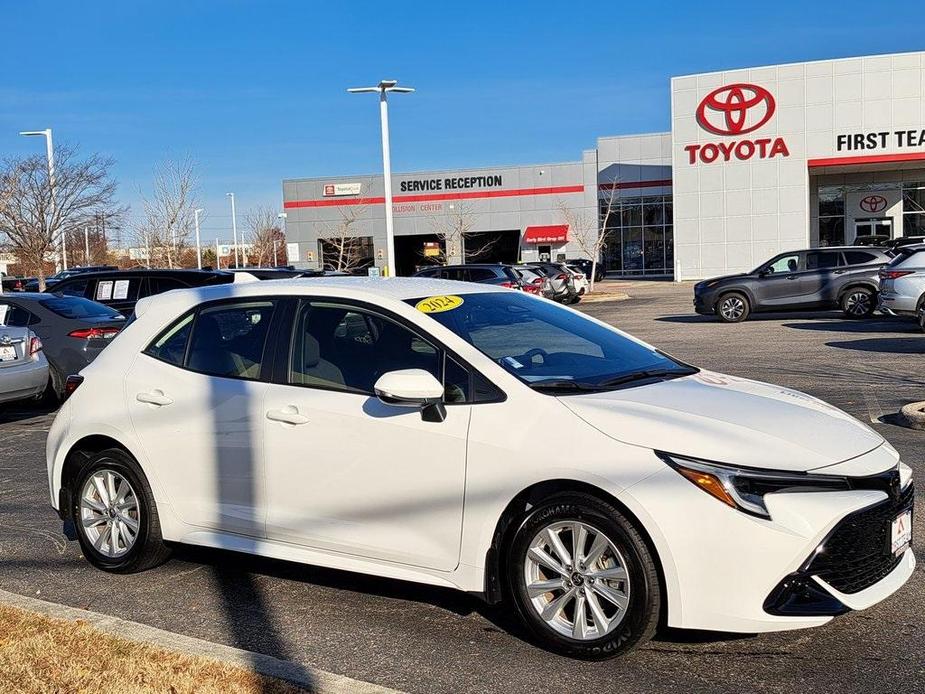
x=733, y=307
x=582, y=579
x=858, y=302
x=114, y=512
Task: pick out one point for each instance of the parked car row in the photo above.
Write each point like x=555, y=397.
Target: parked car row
x=556, y=281
x=858, y=280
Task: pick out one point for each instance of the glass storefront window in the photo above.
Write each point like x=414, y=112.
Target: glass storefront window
x=639, y=240
x=831, y=201
x=831, y=231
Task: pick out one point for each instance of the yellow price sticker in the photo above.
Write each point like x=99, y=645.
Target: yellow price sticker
x=439, y=304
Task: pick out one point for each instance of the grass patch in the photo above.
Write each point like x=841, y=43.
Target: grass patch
x=40, y=654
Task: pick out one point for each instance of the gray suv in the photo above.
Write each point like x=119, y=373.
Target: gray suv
x=902, y=284
x=819, y=278
x=487, y=273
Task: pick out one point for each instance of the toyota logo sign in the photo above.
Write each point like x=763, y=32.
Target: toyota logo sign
x=735, y=109
x=873, y=203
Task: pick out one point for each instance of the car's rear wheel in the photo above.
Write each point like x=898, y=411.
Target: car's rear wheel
x=858, y=302
x=581, y=578
x=114, y=512
x=733, y=307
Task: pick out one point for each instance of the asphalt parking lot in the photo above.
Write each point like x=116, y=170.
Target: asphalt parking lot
x=423, y=639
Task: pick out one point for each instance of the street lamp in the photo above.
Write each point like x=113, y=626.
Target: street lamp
x=198, y=248
x=50, y=152
x=282, y=217
x=234, y=230
x=383, y=88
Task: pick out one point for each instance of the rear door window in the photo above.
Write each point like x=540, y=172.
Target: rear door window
x=12, y=316
x=229, y=340
x=822, y=260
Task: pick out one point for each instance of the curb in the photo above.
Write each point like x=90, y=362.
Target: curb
x=610, y=296
x=312, y=679
x=914, y=414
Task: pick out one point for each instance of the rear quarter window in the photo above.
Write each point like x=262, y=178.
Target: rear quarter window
x=860, y=258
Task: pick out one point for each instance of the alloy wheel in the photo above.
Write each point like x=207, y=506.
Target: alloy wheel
x=109, y=513
x=732, y=308
x=577, y=580
x=857, y=304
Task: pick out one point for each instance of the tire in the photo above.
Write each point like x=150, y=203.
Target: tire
x=147, y=549
x=920, y=315
x=620, y=630
x=733, y=307
x=858, y=302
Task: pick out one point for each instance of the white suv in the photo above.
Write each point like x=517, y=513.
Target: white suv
x=389, y=427
x=902, y=284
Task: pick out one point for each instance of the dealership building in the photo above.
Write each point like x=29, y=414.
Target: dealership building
x=758, y=161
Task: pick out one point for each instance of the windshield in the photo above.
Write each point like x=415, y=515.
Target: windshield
x=76, y=307
x=546, y=345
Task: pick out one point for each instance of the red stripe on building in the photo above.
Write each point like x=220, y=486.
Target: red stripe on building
x=623, y=185
x=866, y=159
x=431, y=197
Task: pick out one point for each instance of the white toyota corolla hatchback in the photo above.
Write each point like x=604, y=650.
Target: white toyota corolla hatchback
x=483, y=439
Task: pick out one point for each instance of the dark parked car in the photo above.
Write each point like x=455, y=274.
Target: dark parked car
x=121, y=289
x=73, y=330
x=486, y=273
x=585, y=265
x=821, y=278
x=13, y=284
x=33, y=284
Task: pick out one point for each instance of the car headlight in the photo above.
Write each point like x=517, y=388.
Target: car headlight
x=743, y=488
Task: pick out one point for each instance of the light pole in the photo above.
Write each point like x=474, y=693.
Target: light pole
x=86, y=245
x=383, y=88
x=234, y=230
x=50, y=152
x=198, y=248
x=282, y=217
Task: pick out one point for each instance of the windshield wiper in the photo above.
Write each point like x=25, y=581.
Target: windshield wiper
x=563, y=384
x=645, y=375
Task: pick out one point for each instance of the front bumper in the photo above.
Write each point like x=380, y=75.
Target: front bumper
x=852, y=568
x=728, y=571
x=705, y=303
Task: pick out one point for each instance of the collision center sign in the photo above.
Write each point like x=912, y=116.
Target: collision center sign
x=734, y=110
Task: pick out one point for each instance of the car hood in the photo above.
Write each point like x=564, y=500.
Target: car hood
x=728, y=420
x=722, y=278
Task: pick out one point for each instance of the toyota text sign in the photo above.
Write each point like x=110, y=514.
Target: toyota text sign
x=731, y=111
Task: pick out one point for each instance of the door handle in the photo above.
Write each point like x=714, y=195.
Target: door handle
x=155, y=397
x=287, y=415
x=839, y=272
x=791, y=277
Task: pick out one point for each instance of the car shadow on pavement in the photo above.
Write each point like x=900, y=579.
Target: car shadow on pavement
x=847, y=325
x=21, y=412
x=753, y=317
x=889, y=345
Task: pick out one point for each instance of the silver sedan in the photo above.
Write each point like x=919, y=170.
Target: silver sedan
x=23, y=367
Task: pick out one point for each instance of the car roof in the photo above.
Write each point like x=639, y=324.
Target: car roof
x=128, y=274
x=370, y=289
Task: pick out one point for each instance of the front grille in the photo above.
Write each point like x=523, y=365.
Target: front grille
x=856, y=554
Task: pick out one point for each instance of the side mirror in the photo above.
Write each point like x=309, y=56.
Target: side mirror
x=413, y=388
x=765, y=271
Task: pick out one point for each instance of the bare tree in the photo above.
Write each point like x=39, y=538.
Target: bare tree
x=168, y=212
x=266, y=235
x=34, y=218
x=457, y=240
x=590, y=229
x=342, y=249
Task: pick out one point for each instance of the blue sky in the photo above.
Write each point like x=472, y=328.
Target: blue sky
x=254, y=91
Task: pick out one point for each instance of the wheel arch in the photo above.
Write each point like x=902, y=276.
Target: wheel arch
x=735, y=289
x=76, y=458
x=857, y=284
x=534, y=494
